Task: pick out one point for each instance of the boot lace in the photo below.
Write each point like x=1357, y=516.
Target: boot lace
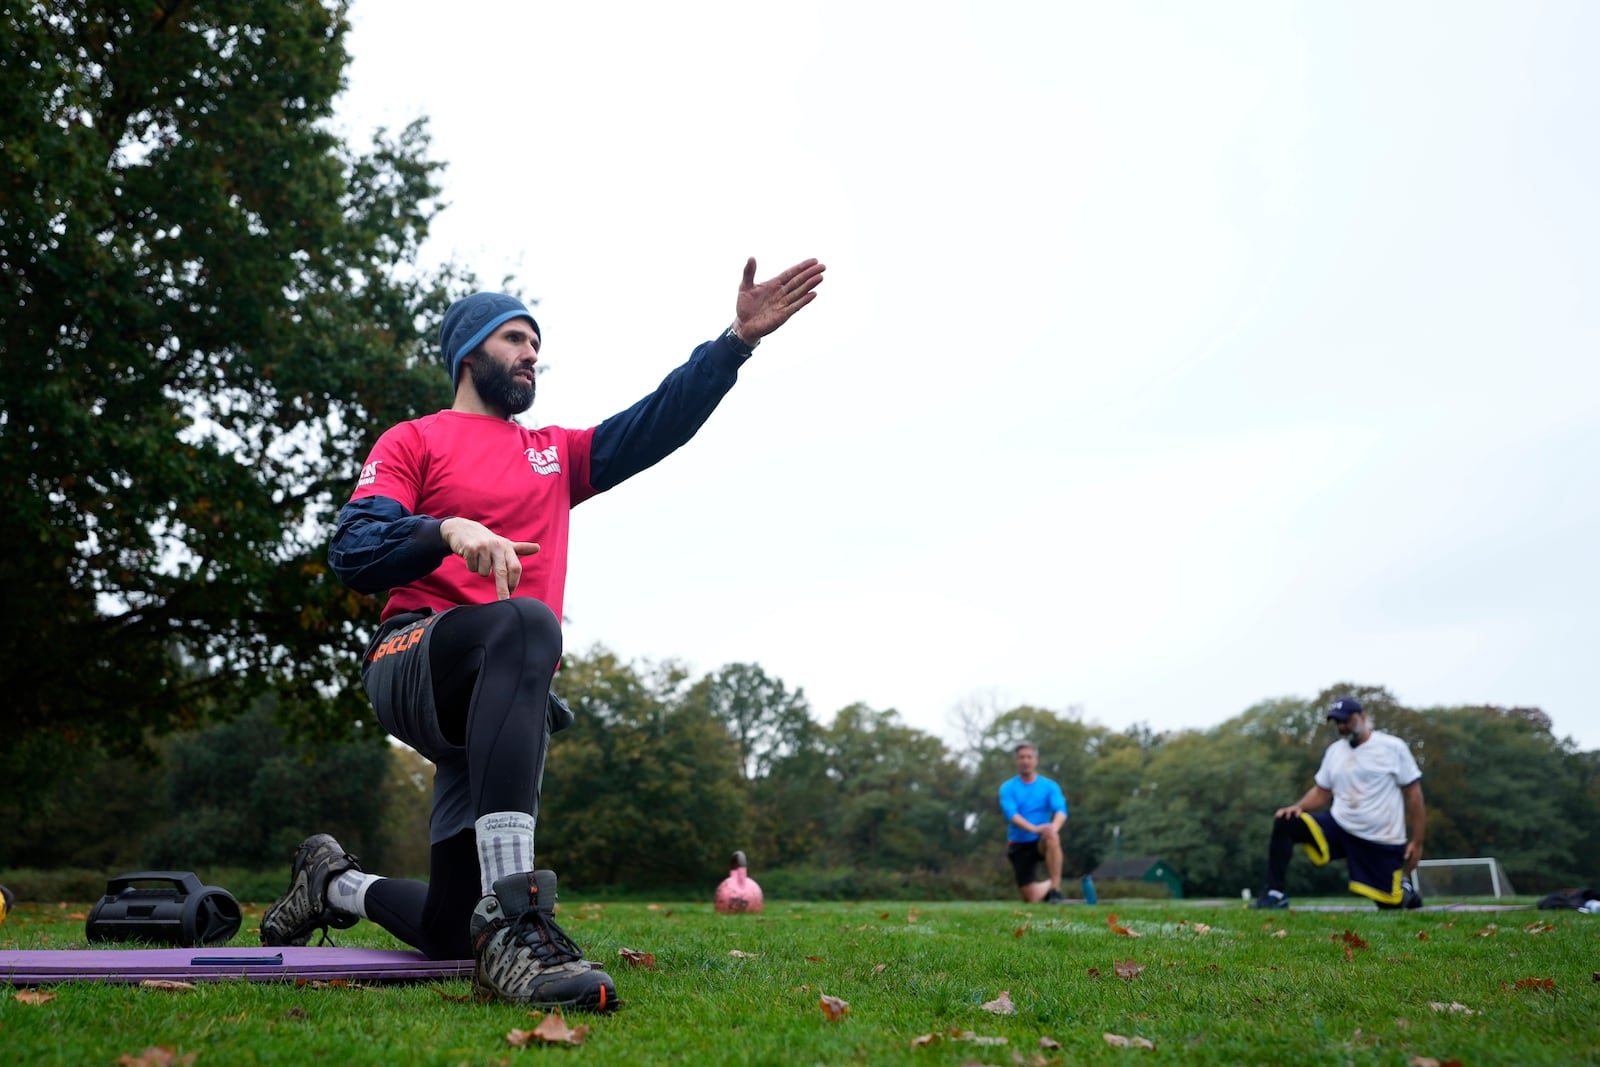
x=550, y=945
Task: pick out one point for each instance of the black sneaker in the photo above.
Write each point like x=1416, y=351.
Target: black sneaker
x=317, y=862
x=1053, y=897
x=1409, y=897
x=1270, y=900
x=523, y=956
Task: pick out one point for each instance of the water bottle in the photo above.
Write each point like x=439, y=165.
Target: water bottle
x=1088, y=891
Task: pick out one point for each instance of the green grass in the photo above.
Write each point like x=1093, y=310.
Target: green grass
x=1238, y=994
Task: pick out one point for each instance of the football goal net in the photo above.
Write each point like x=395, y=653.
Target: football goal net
x=1479, y=877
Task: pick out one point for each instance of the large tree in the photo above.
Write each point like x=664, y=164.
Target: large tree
x=208, y=306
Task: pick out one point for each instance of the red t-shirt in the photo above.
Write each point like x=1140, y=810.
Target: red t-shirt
x=520, y=483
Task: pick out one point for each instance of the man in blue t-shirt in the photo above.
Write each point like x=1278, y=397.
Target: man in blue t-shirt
x=1035, y=811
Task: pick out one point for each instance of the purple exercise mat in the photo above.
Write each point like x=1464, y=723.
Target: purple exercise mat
x=47, y=966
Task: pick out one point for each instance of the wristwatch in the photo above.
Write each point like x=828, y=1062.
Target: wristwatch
x=739, y=342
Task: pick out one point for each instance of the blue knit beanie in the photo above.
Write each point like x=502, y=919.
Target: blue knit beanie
x=471, y=320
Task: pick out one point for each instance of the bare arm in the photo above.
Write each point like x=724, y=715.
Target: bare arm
x=1316, y=797
x=1416, y=819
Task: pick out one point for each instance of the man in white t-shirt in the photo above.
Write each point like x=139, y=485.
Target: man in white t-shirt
x=1376, y=789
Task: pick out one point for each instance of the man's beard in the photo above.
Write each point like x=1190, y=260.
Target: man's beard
x=499, y=387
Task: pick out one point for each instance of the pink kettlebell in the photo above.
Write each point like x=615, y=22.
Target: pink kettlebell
x=739, y=892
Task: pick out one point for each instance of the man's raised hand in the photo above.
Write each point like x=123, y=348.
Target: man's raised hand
x=762, y=308
x=487, y=553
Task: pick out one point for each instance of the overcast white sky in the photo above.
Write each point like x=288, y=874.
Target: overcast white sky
x=1171, y=357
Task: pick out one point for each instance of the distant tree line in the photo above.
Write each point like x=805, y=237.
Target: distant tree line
x=665, y=774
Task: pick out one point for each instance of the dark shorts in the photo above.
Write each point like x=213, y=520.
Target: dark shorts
x=397, y=673
x=399, y=681
x=1025, y=858
x=1375, y=869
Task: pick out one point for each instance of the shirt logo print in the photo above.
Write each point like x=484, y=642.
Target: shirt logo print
x=543, y=460
x=369, y=473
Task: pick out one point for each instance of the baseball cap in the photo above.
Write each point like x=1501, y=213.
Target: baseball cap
x=1343, y=708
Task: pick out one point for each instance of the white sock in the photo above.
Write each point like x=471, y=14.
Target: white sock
x=348, y=892
x=1274, y=893
x=505, y=845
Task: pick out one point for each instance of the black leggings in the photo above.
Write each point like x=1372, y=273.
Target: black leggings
x=432, y=916
x=491, y=667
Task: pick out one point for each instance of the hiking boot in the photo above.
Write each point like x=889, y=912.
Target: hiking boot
x=523, y=956
x=317, y=862
x=1053, y=897
x=1270, y=899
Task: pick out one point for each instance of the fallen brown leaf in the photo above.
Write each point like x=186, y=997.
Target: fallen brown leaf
x=33, y=996
x=816, y=959
x=166, y=984
x=833, y=1009
x=911, y=916
x=738, y=955
x=1488, y=931
x=647, y=960
x=1429, y=1061
x=878, y=968
x=923, y=1039
x=552, y=1030
x=1532, y=983
x=1000, y=1005
x=1019, y=931
x=1353, y=939
x=1128, y=1042
x=157, y=1056
x=555, y=1030
x=1128, y=970
x=1118, y=929
x=1202, y=929
x=1280, y=933
x=1049, y=1043
x=1539, y=928
x=1422, y=935
x=464, y=998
